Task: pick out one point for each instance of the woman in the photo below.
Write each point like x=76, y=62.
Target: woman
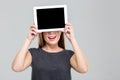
x=50, y=61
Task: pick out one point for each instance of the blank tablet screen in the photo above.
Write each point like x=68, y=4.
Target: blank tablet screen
x=50, y=18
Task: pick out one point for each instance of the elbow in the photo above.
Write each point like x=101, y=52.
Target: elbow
x=83, y=70
x=16, y=69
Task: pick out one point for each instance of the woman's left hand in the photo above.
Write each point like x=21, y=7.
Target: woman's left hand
x=69, y=31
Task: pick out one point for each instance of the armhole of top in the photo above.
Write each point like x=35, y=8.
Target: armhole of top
x=71, y=53
x=31, y=51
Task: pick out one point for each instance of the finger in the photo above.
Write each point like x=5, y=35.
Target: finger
x=33, y=33
x=33, y=26
x=33, y=29
x=67, y=27
x=68, y=24
x=67, y=31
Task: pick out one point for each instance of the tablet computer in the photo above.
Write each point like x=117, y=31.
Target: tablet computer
x=50, y=18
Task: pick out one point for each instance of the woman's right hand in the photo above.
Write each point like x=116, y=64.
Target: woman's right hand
x=32, y=32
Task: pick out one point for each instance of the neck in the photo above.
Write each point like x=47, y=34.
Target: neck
x=52, y=48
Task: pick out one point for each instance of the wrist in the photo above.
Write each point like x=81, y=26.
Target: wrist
x=73, y=40
x=28, y=40
x=26, y=43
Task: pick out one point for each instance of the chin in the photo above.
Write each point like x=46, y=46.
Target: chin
x=53, y=43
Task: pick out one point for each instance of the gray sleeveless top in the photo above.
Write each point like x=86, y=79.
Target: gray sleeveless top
x=50, y=66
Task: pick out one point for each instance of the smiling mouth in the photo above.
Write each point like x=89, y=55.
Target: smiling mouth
x=52, y=37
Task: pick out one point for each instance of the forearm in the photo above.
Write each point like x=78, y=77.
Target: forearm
x=79, y=57
x=19, y=60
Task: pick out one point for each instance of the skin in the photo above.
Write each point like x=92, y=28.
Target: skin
x=52, y=45
x=23, y=58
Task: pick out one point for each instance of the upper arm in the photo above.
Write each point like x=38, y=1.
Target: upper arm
x=28, y=60
x=73, y=62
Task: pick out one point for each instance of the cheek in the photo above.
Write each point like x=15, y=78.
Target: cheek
x=59, y=35
x=44, y=36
